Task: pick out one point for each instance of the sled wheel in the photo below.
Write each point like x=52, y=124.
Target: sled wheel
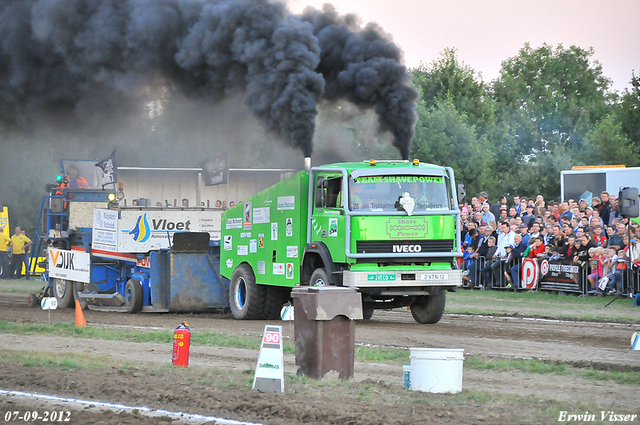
x=133, y=296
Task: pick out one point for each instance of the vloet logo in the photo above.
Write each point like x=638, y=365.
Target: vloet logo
x=407, y=248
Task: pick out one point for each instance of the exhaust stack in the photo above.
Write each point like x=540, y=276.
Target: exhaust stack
x=307, y=163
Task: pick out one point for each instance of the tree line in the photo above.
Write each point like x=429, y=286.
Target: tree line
x=549, y=109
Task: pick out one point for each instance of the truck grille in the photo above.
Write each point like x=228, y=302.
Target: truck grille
x=387, y=247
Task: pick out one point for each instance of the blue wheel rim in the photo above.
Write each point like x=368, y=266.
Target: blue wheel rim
x=241, y=294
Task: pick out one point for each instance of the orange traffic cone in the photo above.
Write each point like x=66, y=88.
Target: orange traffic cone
x=80, y=323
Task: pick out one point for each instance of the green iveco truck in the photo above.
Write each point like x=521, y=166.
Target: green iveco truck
x=390, y=229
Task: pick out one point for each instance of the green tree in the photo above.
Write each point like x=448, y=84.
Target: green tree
x=608, y=144
x=551, y=99
x=629, y=112
x=446, y=78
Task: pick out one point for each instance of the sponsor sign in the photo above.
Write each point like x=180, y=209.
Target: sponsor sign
x=286, y=202
x=69, y=265
x=243, y=250
x=269, y=375
x=228, y=242
x=261, y=215
x=407, y=228
x=289, y=270
x=247, y=218
x=531, y=272
x=561, y=275
x=137, y=231
x=292, y=252
x=278, y=268
x=289, y=228
x=261, y=267
x=253, y=246
x=274, y=231
x=234, y=223
x=105, y=230
x=333, y=227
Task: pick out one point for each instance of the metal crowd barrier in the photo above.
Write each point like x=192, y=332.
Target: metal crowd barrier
x=630, y=283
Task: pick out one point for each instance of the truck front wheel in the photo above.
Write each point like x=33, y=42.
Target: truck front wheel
x=247, y=299
x=429, y=309
x=133, y=296
x=319, y=278
x=63, y=290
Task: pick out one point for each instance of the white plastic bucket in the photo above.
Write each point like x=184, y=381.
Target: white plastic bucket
x=436, y=370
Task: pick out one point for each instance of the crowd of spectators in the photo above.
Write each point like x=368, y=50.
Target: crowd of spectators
x=496, y=238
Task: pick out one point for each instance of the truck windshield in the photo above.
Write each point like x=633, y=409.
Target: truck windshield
x=382, y=193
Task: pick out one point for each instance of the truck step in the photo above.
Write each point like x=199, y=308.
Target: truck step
x=122, y=309
x=112, y=300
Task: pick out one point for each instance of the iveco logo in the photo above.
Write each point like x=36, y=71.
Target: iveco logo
x=407, y=248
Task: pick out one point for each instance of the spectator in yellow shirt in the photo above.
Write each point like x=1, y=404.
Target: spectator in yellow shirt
x=4, y=255
x=19, y=244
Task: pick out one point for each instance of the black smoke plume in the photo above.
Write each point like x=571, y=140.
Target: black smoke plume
x=93, y=60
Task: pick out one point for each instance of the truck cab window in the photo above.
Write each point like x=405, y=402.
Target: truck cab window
x=333, y=195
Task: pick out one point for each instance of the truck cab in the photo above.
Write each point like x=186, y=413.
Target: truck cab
x=387, y=228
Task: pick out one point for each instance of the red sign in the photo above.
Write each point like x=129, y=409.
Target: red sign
x=530, y=273
x=271, y=338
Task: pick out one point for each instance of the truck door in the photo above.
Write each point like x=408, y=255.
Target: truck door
x=328, y=218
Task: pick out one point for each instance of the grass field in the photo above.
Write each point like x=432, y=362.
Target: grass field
x=542, y=304
x=22, y=286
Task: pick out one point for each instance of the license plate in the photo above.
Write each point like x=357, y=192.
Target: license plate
x=430, y=276
x=381, y=277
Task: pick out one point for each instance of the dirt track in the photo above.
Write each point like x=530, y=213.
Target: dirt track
x=604, y=346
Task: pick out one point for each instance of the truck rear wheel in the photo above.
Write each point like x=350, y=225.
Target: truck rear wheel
x=63, y=291
x=367, y=313
x=429, y=309
x=247, y=299
x=133, y=296
x=319, y=277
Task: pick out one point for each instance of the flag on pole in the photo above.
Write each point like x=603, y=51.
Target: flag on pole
x=109, y=172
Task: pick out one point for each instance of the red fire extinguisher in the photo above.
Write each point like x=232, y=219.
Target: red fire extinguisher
x=181, y=343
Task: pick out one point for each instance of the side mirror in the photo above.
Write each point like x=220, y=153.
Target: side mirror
x=462, y=193
x=319, y=203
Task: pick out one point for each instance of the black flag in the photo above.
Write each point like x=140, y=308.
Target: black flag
x=215, y=170
x=108, y=167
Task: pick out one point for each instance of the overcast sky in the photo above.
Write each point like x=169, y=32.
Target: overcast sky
x=486, y=32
